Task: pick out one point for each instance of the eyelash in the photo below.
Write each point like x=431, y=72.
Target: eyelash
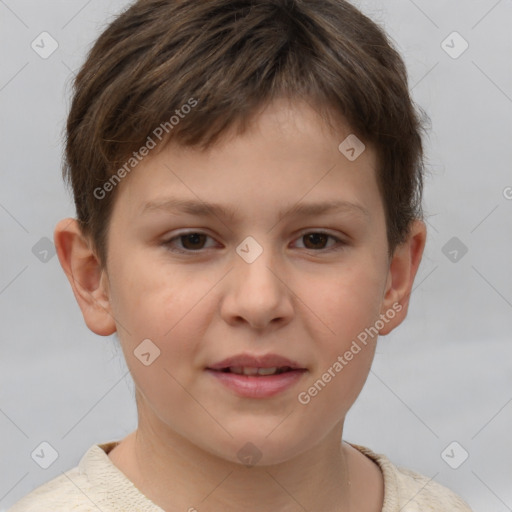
x=340, y=244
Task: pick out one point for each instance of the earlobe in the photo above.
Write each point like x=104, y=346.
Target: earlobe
x=402, y=271
x=88, y=281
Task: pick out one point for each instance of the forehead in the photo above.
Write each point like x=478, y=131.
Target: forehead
x=287, y=153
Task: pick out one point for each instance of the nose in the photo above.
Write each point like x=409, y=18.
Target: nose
x=257, y=292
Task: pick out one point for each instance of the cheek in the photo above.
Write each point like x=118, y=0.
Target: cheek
x=156, y=303
x=345, y=306
x=345, y=303
x=168, y=312
x=151, y=297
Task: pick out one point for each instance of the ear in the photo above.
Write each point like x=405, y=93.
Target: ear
x=402, y=271
x=88, y=281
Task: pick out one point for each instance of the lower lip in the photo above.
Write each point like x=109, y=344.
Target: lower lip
x=258, y=387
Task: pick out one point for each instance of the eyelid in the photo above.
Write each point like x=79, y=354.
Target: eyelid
x=335, y=234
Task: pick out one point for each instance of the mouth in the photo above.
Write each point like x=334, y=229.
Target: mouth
x=252, y=364
x=251, y=376
x=257, y=372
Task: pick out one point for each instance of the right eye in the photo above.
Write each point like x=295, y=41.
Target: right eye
x=191, y=241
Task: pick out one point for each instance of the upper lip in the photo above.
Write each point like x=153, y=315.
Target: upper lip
x=253, y=361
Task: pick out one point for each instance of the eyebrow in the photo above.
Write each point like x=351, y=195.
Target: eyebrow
x=204, y=209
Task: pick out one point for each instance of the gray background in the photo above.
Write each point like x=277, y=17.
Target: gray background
x=443, y=376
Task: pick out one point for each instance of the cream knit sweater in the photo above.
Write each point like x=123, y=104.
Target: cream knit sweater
x=97, y=484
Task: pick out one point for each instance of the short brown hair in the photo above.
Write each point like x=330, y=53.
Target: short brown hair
x=232, y=57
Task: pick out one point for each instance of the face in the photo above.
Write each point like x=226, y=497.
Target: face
x=204, y=286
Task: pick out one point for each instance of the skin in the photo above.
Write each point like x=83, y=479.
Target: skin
x=297, y=299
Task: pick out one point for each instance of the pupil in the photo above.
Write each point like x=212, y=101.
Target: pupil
x=191, y=236
x=315, y=237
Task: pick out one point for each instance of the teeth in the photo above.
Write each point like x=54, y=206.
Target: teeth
x=267, y=371
x=246, y=370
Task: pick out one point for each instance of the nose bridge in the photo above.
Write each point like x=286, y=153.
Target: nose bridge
x=256, y=261
x=256, y=292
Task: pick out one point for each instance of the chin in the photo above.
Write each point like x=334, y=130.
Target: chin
x=254, y=449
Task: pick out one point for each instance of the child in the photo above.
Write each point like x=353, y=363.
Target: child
x=247, y=179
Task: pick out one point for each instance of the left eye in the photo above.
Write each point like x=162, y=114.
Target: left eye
x=319, y=237
x=194, y=241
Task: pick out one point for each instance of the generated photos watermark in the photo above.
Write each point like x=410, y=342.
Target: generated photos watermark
x=137, y=156
x=304, y=397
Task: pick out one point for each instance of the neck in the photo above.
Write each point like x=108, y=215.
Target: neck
x=177, y=475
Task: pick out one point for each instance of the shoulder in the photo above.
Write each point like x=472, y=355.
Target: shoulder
x=408, y=491
x=80, y=489
x=63, y=493
x=95, y=484
x=419, y=492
